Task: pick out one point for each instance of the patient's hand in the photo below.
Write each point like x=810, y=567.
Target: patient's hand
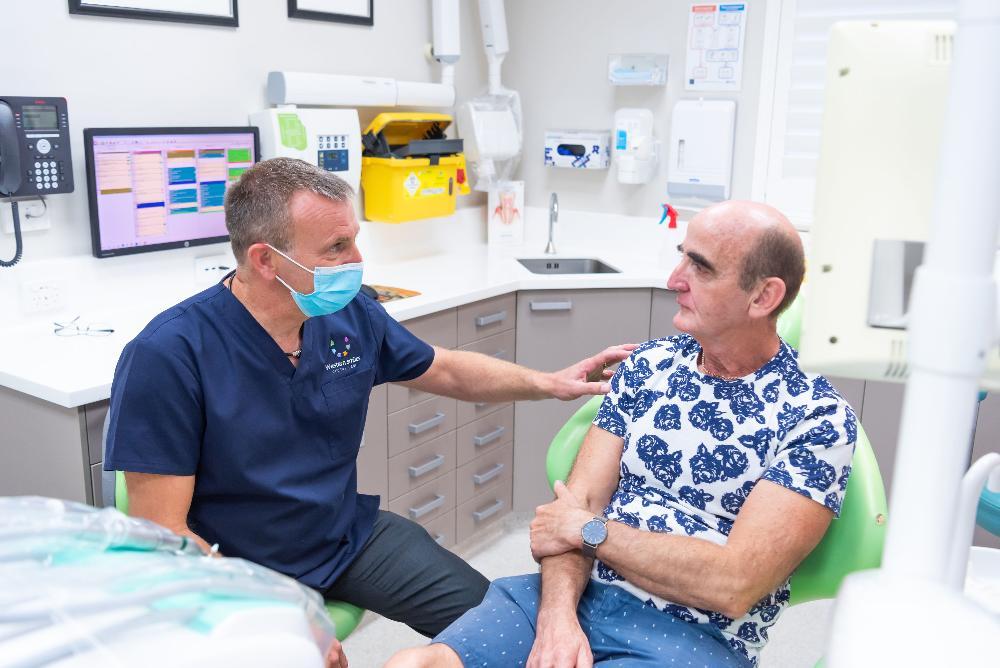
x=560, y=642
x=335, y=657
x=557, y=525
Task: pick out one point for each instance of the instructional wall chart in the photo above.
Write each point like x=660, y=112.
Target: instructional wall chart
x=716, y=33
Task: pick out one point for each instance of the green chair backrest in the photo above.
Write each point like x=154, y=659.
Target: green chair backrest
x=345, y=617
x=853, y=542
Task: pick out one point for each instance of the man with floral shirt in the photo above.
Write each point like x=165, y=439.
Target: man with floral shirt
x=714, y=466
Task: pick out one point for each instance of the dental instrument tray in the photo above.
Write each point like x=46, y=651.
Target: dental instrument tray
x=409, y=169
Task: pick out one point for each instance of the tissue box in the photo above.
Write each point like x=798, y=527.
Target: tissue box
x=578, y=149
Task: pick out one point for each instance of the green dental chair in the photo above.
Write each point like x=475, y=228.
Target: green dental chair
x=344, y=616
x=853, y=542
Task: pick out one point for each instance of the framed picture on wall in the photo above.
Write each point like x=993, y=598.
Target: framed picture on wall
x=359, y=12
x=210, y=12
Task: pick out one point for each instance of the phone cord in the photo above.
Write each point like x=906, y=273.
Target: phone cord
x=17, y=238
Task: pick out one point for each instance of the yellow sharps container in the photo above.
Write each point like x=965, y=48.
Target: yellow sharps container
x=409, y=170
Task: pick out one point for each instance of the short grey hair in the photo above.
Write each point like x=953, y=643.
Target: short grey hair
x=257, y=206
x=774, y=254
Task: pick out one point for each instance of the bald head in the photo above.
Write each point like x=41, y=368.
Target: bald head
x=767, y=240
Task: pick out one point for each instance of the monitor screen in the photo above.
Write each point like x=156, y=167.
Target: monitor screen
x=158, y=188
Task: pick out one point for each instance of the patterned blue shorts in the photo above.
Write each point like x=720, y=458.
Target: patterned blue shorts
x=622, y=630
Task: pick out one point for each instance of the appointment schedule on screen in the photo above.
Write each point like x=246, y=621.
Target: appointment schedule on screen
x=154, y=191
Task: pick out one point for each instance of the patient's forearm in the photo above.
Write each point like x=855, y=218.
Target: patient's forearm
x=564, y=577
x=681, y=569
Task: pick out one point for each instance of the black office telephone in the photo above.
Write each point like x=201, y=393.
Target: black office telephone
x=35, y=156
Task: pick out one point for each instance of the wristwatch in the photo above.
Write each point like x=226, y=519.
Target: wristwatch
x=594, y=532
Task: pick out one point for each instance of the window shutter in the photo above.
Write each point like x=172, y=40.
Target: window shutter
x=798, y=91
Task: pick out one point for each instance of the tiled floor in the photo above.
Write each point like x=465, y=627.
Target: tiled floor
x=796, y=640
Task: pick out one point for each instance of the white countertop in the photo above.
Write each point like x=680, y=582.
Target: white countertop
x=126, y=293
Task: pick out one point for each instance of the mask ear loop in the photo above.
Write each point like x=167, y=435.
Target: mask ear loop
x=301, y=266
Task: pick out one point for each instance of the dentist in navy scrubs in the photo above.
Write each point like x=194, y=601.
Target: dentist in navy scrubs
x=237, y=414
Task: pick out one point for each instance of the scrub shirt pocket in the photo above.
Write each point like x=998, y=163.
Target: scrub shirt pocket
x=347, y=405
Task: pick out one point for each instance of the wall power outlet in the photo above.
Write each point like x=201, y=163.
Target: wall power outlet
x=212, y=268
x=43, y=295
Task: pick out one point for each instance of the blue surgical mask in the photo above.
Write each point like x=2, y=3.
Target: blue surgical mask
x=333, y=287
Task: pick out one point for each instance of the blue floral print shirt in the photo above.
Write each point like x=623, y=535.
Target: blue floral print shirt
x=696, y=445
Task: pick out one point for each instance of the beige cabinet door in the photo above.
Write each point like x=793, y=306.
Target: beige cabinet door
x=374, y=454
x=555, y=329
x=661, y=316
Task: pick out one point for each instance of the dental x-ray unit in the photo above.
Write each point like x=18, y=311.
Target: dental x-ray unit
x=911, y=112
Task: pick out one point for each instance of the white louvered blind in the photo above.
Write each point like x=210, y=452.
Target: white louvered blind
x=798, y=90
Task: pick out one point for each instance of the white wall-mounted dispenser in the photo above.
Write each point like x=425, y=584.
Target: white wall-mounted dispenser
x=578, y=149
x=327, y=138
x=701, y=149
x=636, y=150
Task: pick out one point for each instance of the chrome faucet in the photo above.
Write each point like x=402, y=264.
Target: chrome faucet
x=550, y=248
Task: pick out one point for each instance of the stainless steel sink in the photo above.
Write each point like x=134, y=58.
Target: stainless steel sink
x=567, y=265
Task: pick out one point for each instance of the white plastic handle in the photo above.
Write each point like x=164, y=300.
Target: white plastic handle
x=417, y=513
x=424, y=469
x=552, y=306
x=484, y=320
x=481, y=515
x=490, y=437
x=420, y=427
x=481, y=478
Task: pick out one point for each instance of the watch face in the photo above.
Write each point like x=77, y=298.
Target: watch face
x=594, y=532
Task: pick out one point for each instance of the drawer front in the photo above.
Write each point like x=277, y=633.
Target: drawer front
x=403, y=397
x=437, y=329
x=484, y=474
x=427, y=502
x=499, y=345
x=421, y=423
x=373, y=455
x=467, y=412
x=420, y=464
x=442, y=529
x=485, y=434
x=490, y=316
x=483, y=510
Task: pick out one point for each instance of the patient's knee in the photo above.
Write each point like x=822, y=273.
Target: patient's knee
x=431, y=656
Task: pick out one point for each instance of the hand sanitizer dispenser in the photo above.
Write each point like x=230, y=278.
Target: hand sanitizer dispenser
x=636, y=150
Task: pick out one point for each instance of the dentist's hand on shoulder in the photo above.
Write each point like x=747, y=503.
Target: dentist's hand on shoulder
x=587, y=376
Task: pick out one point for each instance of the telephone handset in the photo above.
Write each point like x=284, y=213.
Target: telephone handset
x=35, y=157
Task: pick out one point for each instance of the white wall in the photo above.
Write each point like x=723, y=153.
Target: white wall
x=125, y=73
x=118, y=72
x=558, y=63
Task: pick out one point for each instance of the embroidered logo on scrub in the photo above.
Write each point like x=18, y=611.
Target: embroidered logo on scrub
x=344, y=359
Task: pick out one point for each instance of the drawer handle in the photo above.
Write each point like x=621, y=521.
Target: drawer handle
x=500, y=354
x=484, y=320
x=481, y=515
x=439, y=538
x=482, y=404
x=421, y=427
x=423, y=469
x=417, y=513
x=480, y=478
x=490, y=437
x=552, y=306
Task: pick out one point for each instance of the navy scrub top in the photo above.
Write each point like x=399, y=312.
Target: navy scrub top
x=205, y=391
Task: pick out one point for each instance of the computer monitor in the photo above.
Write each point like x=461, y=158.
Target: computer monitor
x=158, y=188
